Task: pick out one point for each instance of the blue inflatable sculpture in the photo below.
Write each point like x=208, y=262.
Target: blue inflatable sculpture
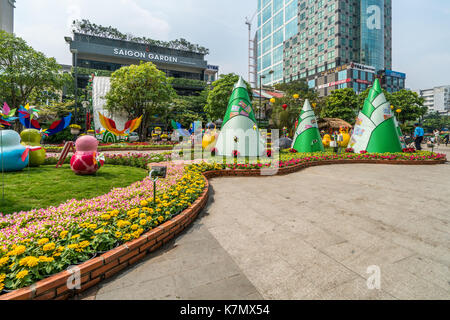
x=11, y=152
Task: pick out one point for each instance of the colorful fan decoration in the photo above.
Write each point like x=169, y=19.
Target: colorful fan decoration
x=29, y=111
x=110, y=125
x=7, y=115
x=26, y=119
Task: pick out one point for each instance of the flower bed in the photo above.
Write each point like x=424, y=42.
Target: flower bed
x=42, y=242
x=119, y=147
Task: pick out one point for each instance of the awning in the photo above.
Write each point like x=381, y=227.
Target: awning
x=267, y=94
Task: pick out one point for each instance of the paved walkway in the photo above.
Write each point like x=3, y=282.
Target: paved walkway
x=308, y=235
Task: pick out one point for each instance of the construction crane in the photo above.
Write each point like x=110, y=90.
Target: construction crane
x=251, y=52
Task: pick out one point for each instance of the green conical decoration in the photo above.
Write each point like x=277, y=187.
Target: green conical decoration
x=376, y=130
x=239, y=129
x=307, y=136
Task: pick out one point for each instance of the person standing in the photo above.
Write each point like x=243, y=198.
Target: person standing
x=418, y=136
x=436, y=136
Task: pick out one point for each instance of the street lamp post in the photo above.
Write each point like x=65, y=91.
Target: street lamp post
x=75, y=57
x=261, y=76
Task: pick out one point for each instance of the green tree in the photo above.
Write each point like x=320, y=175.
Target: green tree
x=410, y=103
x=342, y=104
x=287, y=118
x=140, y=90
x=218, y=96
x=435, y=120
x=24, y=72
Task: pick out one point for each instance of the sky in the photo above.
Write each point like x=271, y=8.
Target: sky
x=421, y=30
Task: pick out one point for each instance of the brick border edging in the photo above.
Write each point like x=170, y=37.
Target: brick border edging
x=108, y=264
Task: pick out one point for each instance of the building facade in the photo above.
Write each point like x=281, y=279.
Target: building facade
x=7, y=15
x=436, y=99
x=104, y=54
x=303, y=39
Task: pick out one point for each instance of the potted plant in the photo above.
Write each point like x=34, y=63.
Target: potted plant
x=75, y=129
x=164, y=137
x=91, y=133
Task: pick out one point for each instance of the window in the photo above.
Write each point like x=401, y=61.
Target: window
x=331, y=20
x=331, y=55
x=267, y=45
x=302, y=65
x=331, y=43
x=331, y=31
x=278, y=72
x=311, y=83
x=331, y=7
x=320, y=37
x=291, y=10
x=278, y=21
x=267, y=61
x=342, y=75
x=277, y=54
x=267, y=13
x=311, y=42
x=303, y=75
x=277, y=5
x=311, y=31
x=303, y=56
x=320, y=59
x=355, y=74
x=291, y=28
x=267, y=29
x=320, y=47
x=312, y=51
x=320, y=26
x=302, y=36
x=278, y=37
x=311, y=63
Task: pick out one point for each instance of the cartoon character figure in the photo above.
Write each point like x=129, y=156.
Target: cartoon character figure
x=210, y=136
x=31, y=138
x=345, y=137
x=13, y=155
x=326, y=140
x=86, y=160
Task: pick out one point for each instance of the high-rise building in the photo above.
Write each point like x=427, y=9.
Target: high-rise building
x=306, y=39
x=437, y=99
x=7, y=15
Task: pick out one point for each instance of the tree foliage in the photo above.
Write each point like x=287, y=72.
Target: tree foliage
x=219, y=95
x=24, y=72
x=84, y=26
x=342, y=104
x=435, y=121
x=140, y=90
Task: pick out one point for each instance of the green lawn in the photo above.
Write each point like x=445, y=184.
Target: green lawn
x=47, y=186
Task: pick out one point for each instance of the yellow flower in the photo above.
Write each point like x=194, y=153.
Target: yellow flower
x=49, y=246
x=92, y=226
x=76, y=236
x=161, y=218
x=46, y=259
x=29, y=261
x=106, y=217
x=72, y=246
x=127, y=237
x=134, y=227
x=142, y=216
x=143, y=222
x=3, y=261
x=98, y=231
x=114, y=213
x=123, y=223
x=63, y=234
x=84, y=244
x=43, y=241
x=144, y=203
x=22, y=274
x=17, y=251
x=118, y=234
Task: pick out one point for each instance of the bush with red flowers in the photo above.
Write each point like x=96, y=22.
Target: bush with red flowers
x=235, y=153
x=269, y=153
x=363, y=151
x=214, y=151
x=409, y=150
x=292, y=150
x=349, y=150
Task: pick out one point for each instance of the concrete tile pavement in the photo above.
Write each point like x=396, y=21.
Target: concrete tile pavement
x=309, y=235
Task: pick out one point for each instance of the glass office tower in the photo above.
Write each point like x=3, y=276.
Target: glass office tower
x=301, y=39
x=372, y=33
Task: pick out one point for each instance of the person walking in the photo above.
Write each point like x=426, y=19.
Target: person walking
x=418, y=136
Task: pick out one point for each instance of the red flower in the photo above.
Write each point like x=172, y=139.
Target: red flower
x=293, y=150
x=349, y=150
x=235, y=153
x=269, y=153
x=213, y=151
x=363, y=152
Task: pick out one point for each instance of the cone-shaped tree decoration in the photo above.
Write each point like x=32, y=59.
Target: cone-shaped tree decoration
x=307, y=136
x=375, y=129
x=239, y=129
